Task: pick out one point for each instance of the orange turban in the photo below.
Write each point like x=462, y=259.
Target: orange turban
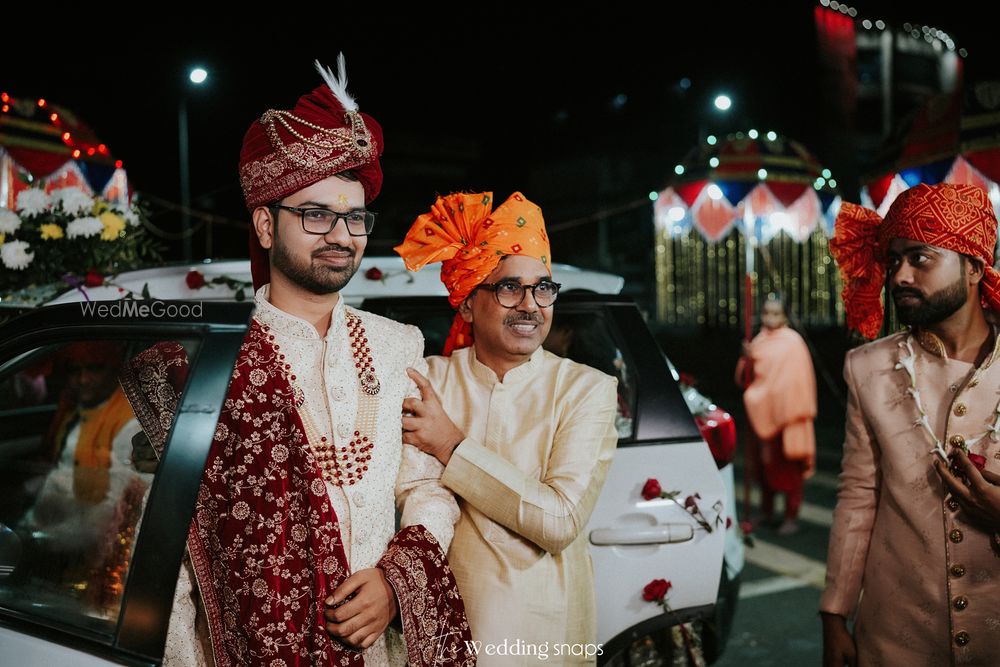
x=953, y=217
x=469, y=238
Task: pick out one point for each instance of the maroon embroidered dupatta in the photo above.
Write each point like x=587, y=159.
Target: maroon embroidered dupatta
x=265, y=543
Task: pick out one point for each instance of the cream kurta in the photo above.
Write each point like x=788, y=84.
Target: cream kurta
x=930, y=579
x=536, y=454
x=323, y=369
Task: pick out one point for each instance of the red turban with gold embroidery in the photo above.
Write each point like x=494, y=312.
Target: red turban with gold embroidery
x=953, y=217
x=286, y=151
x=469, y=238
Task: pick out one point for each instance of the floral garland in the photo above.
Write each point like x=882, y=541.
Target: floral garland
x=908, y=363
x=66, y=235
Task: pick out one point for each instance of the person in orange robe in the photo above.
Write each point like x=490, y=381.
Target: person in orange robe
x=780, y=401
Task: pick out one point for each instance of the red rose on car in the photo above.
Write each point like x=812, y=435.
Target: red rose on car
x=651, y=489
x=195, y=279
x=374, y=273
x=93, y=279
x=978, y=460
x=656, y=590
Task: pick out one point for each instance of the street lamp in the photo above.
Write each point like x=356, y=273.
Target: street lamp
x=723, y=102
x=197, y=76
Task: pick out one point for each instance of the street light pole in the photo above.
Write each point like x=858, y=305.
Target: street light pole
x=197, y=76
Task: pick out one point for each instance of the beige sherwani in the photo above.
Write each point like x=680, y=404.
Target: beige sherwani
x=929, y=577
x=537, y=450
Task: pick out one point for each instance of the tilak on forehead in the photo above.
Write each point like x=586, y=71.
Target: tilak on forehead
x=953, y=217
x=286, y=151
x=469, y=238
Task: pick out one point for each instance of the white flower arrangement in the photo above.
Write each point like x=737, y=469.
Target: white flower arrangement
x=15, y=255
x=84, y=227
x=33, y=201
x=51, y=240
x=73, y=201
x=10, y=222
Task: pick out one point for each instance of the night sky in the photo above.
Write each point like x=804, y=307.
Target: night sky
x=495, y=99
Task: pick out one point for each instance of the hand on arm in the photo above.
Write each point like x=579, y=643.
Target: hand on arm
x=429, y=429
x=361, y=608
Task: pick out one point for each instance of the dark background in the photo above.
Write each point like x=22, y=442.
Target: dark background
x=580, y=108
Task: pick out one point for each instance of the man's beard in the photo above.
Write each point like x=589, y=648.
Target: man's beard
x=934, y=308
x=316, y=278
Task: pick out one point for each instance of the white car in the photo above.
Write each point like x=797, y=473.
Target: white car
x=56, y=610
x=376, y=277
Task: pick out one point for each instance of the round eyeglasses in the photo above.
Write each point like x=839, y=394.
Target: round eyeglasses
x=510, y=293
x=322, y=220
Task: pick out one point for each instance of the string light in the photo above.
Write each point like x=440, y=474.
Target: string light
x=118, y=164
x=54, y=117
x=76, y=153
x=66, y=136
x=42, y=102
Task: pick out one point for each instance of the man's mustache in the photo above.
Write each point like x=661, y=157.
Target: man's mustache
x=899, y=292
x=333, y=248
x=532, y=318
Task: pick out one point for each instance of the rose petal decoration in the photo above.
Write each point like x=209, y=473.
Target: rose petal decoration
x=374, y=273
x=656, y=590
x=978, y=460
x=651, y=489
x=194, y=279
x=93, y=279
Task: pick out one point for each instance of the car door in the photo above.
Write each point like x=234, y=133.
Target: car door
x=90, y=547
x=635, y=540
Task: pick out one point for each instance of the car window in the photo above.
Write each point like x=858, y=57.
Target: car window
x=586, y=337
x=71, y=496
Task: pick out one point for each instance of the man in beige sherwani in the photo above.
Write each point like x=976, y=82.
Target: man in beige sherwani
x=918, y=509
x=526, y=437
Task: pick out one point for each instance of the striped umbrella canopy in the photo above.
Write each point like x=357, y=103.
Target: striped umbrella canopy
x=47, y=142
x=953, y=138
x=764, y=183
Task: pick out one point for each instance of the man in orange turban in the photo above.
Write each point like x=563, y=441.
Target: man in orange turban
x=533, y=434
x=918, y=545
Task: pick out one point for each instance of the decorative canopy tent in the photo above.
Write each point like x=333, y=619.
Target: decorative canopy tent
x=953, y=138
x=749, y=202
x=41, y=141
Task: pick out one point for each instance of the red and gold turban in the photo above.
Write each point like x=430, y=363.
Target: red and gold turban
x=286, y=151
x=469, y=238
x=953, y=217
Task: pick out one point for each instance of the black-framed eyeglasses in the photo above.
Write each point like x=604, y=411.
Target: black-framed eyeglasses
x=510, y=293
x=322, y=220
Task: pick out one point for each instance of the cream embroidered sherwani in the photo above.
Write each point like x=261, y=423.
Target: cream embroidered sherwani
x=928, y=578
x=323, y=369
x=537, y=450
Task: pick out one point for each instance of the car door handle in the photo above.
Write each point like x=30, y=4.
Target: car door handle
x=664, y=533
